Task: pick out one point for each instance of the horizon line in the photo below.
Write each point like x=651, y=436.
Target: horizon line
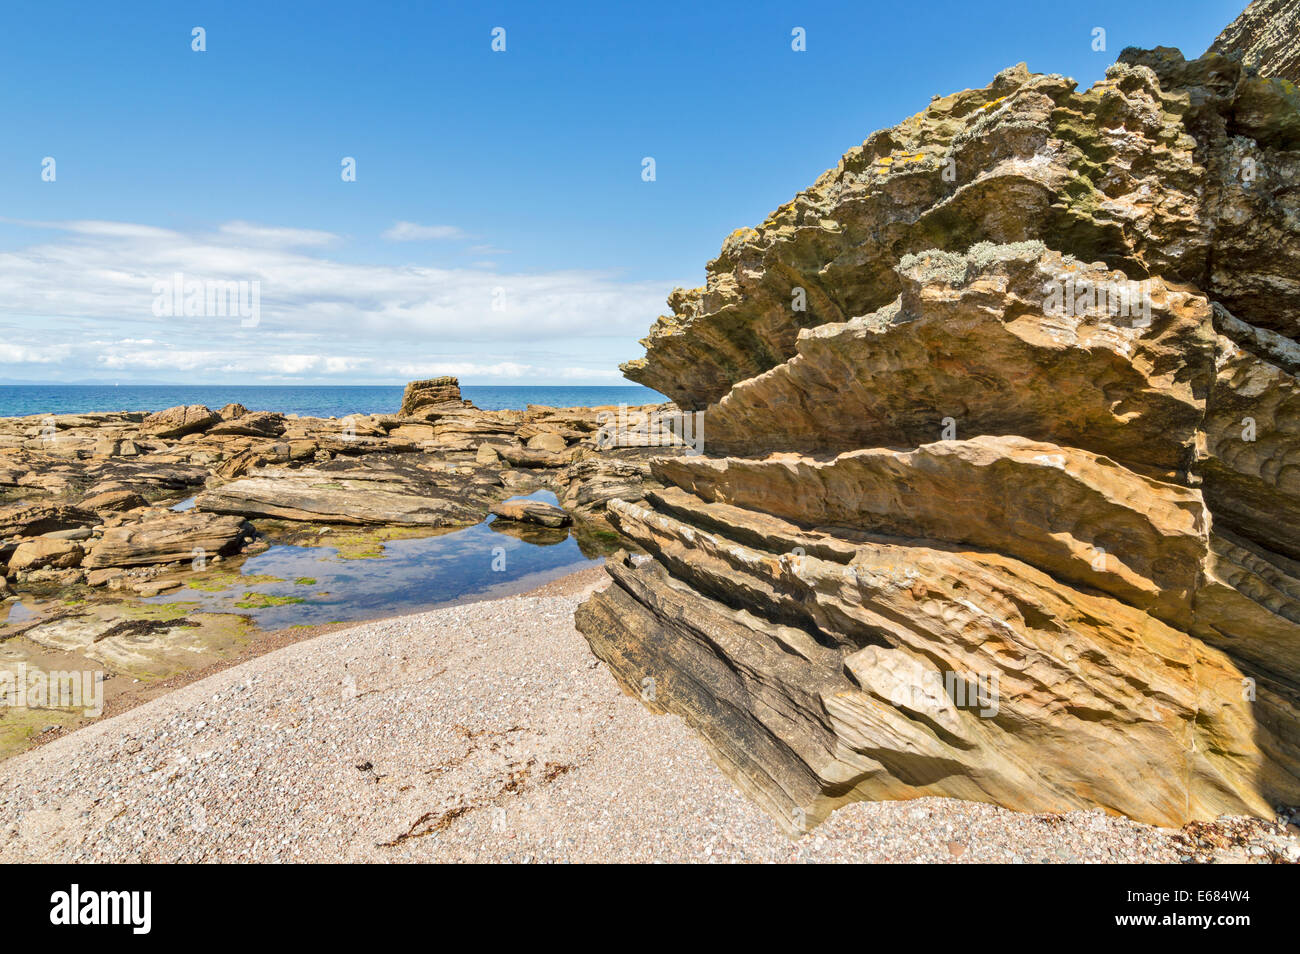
x=304, y=384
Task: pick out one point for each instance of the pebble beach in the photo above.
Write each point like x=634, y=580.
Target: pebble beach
x=482, y=732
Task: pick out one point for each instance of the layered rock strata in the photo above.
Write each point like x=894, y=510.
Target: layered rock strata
x=1179, y=169
x=435, y=392
x=1266, y=34
x=84, y=497
x=1000, y=492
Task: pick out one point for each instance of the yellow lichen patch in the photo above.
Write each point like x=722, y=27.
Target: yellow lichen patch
x=897, y=157
x=774, y=217
x=991, y=103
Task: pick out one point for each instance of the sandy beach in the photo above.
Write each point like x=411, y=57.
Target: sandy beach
x=481, y=732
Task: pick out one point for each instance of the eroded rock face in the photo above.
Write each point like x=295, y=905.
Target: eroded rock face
x=434, y=392
x=1267, y=34
x=826, y=681
x=1027, y=157
x=969, y=340
x=1010, y=511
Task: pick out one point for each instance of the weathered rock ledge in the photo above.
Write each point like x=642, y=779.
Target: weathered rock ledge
x=1000, y=494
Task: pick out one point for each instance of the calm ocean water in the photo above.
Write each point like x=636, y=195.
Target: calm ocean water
x=22, y=400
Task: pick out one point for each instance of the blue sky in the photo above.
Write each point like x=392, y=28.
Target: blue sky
x=499, y=227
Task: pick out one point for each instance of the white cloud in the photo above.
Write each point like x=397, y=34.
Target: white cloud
x=410, y=232
x=81, y=307
x=18, y=354
x=262, y=235
x=123, y=230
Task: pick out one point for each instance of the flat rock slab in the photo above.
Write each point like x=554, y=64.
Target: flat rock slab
x=142, y=648
x=352, y=498
x=532, y=511
x=179, y=536
x=23, y=520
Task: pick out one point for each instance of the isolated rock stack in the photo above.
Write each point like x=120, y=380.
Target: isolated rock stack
x=1000, y=496
x=433, y=393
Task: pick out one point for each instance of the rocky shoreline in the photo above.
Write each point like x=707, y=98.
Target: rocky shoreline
x=514, y=745
x=103, y=515
x=971, y=534
x=999, y=498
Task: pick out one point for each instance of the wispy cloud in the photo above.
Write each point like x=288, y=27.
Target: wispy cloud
x=262, y=235
x=80, y=306
x=410, y=232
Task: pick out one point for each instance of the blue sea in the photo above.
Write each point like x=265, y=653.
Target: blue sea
x=21, y=400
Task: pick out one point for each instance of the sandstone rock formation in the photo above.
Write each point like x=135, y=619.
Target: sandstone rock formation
x=350, y=495
x=532, y=511
x=168, y=537
x=1267, y=34
x=1027, y=157
x=435, y=392
x=45, y=552
x=256, y=424
x=22, y=520
x=1000, y=493
x=179, y=421
x=76, y=508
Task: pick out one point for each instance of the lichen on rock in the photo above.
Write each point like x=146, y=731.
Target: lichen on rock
x=1008, y=510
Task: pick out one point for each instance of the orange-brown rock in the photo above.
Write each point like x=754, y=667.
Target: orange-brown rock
x=1000, y=486
x=432, y=393
x=167, y=538
x=179, y=421
x=1166, y=167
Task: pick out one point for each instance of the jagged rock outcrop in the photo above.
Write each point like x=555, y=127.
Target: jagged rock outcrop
x=1267, y=34
x=1010, y=510
x=1167, y=167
